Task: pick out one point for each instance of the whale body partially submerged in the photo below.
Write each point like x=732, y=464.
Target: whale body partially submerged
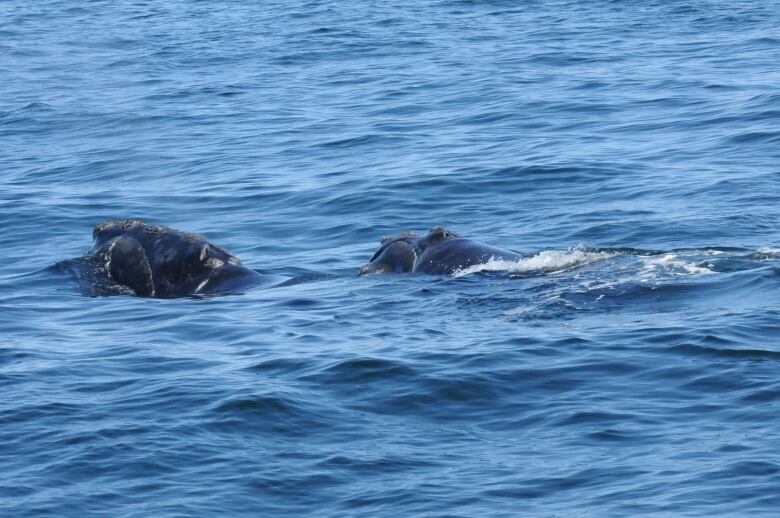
x=440, y=252
x=134, y=257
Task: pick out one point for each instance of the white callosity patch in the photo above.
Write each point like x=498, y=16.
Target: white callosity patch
x=201, y=285
x=214, y=263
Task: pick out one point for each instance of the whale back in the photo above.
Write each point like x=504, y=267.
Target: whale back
x=451, y=255
x=439, y=252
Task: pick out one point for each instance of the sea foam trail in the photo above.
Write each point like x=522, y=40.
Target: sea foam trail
x=646, y=267
x=544, y=262
x=766, y=252
x=671, y=264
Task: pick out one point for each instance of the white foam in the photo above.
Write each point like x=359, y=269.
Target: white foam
x=670, y=264
x=545, y=261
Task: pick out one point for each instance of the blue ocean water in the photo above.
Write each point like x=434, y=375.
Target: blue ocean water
x=630, y=365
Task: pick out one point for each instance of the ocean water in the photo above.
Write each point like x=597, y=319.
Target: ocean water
x=629, y=365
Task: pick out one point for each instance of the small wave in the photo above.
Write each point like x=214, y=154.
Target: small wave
x=754, y=136
x=544, y=262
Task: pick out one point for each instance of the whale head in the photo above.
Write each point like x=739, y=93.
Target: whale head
x=400, y=254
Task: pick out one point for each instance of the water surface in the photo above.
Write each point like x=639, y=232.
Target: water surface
x=628, y=366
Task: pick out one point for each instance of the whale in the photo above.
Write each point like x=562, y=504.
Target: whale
x=136, y=258
x=439, y=252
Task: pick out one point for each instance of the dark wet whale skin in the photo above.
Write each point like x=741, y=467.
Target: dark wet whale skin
x=440, y=252
x=158, y=261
